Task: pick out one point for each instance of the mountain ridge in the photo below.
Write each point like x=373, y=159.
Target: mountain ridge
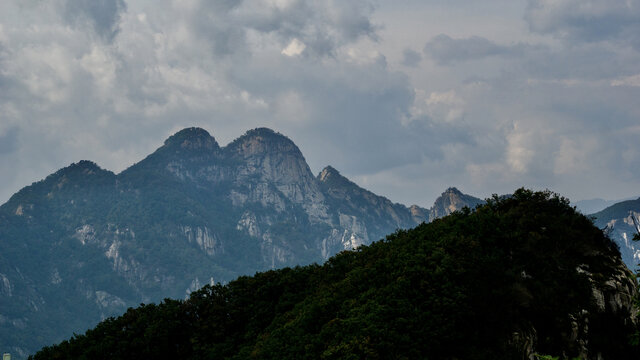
x=189, y=213
x=460, y=287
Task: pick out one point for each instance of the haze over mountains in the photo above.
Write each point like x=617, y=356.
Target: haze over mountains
x=85, y=243
x=592, y=206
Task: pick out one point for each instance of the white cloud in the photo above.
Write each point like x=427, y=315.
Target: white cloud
x=446, y=106
x=520, y=151
x=295, y=47
x=102, y=67
x=632, y=80
x=573, y=155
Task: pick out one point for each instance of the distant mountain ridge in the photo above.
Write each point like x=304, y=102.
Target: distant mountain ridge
x=592, y=206
x=618, y=222
x=86, y=243
x=452, y=200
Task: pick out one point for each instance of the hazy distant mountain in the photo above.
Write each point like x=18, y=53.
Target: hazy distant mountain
x=618, y=220
x=594, y=205
x=85, y=243
x=451, y=200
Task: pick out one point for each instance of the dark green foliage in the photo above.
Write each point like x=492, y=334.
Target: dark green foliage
x=456, y=288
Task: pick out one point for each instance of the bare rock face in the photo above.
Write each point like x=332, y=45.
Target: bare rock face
x=451, y=200
x=206, y=240
x=271, y=166
x=418, y=214
x=377, y=215
x=350, y=234
x=249, y=224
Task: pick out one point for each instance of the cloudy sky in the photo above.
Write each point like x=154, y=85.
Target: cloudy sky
x=405, y=97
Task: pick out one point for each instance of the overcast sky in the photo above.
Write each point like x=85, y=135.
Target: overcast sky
x=404, y=97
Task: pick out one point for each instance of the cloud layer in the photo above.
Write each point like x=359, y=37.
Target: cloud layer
x=588, y=21
x=554, y=105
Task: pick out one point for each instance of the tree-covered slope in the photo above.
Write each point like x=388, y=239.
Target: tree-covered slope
x=518, y=276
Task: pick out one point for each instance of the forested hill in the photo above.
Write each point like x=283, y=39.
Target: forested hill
x=518, y=276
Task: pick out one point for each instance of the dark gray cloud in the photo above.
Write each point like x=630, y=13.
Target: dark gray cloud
x=102, y=15
x=587, y=21
x=322, y=26
x=350, y=108
x=411, y=58
x=584, y=62
x=445, y=49
x=9, y=140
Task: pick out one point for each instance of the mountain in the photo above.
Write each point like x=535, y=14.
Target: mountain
x=508, y=281
x=85, y=244
x=621, y=222
x=592, y=206
x=365, y=213
x=452, y=200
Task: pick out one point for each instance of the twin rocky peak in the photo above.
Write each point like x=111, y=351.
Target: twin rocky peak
x=271, y=158
x=263, y=185
x=257, y=191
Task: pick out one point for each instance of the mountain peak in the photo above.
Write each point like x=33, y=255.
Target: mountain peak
x=261, y=141
x=262, y=131
x=452, y=190
x=86, y=167
x=332, y=178
x=86, y=164
x=192, y=138
x=265, y=134
x=451, y=200
x=328, y=172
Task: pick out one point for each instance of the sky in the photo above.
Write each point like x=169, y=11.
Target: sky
x=404, y=97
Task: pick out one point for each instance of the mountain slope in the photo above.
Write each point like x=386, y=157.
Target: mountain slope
x=618, y=222
x=507, y=281
x=85, y=243
x=367, y=216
